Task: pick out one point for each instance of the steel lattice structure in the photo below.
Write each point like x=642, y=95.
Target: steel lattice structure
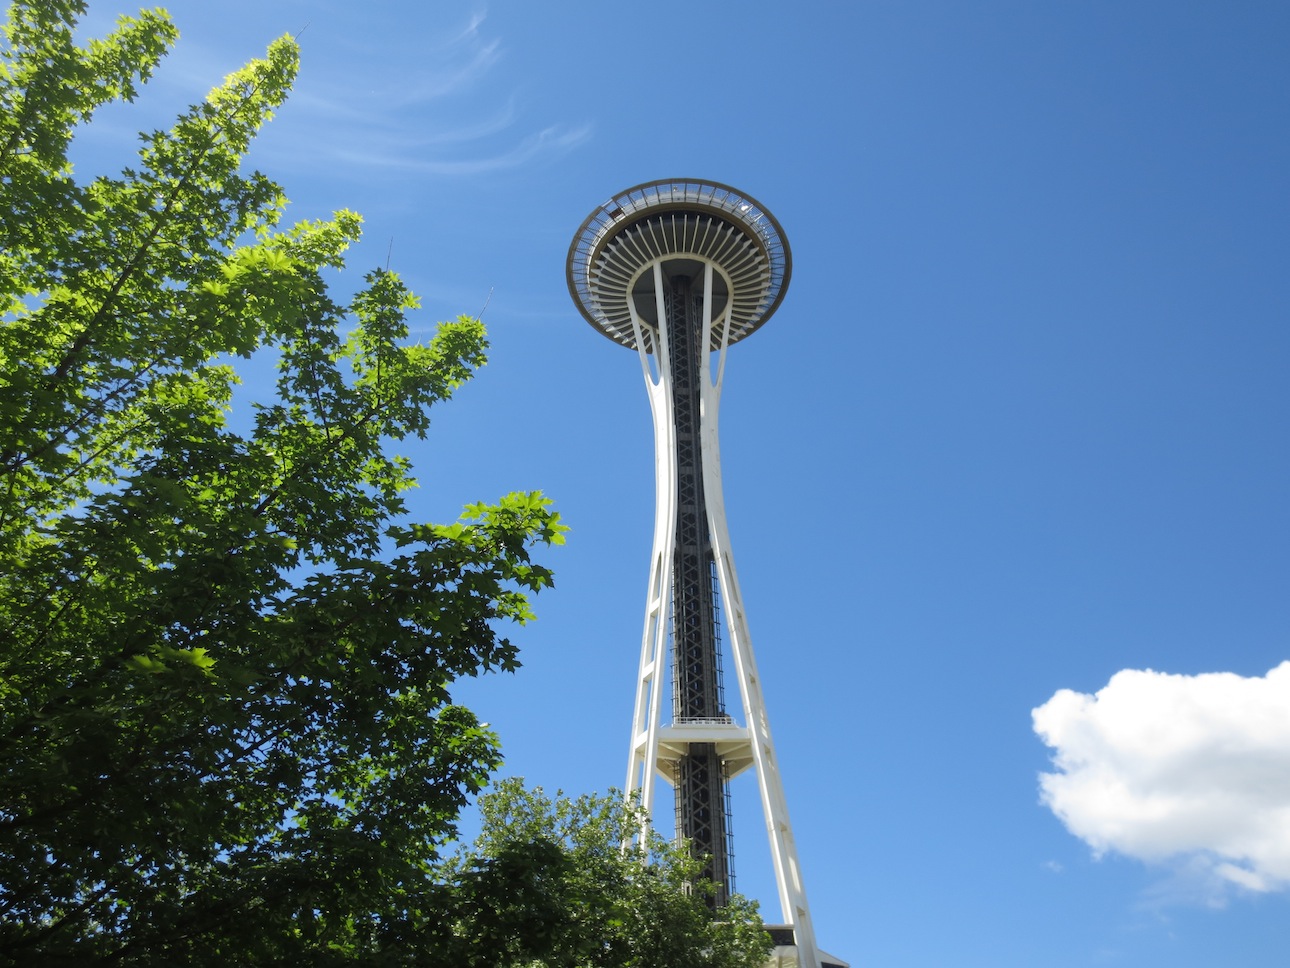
x=680, y=270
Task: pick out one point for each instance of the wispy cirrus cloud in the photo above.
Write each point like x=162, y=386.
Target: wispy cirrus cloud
x=393, y=135
x=472, y=27
x=551, y=142
x=444, y=82
x=448, y=111
x=428, y=100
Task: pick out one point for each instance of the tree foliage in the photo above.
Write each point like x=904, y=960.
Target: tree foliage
x=547, y=883
x=225, y=655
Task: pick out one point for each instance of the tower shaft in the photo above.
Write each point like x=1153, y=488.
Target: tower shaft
x=700, y=781
x=703, y=747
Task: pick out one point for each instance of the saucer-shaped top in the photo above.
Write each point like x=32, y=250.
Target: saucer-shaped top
x=683, y=222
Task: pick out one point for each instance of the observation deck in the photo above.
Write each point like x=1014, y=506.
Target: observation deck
x=683, y=221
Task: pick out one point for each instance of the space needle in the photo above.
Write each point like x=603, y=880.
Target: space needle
x=680, y=270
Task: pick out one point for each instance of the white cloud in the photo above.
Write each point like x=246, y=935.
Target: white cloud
x=553, y=141
x=471, y=29
x=480, y=62
x=440, y=109
x=435, y=101
x=1160, y=767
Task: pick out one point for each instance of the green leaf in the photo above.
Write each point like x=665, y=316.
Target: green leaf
x=225, y=687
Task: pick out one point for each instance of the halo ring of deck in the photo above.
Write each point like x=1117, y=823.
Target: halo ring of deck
x=678, y=219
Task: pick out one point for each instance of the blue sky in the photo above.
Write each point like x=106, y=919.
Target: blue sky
x=1018, y=427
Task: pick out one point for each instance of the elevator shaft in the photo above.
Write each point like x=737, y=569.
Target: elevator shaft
x=702, y=814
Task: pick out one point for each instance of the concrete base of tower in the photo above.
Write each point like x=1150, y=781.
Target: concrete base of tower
x=785, y=953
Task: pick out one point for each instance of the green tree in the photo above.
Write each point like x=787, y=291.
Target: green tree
x=548, y=884
x=225, y=655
